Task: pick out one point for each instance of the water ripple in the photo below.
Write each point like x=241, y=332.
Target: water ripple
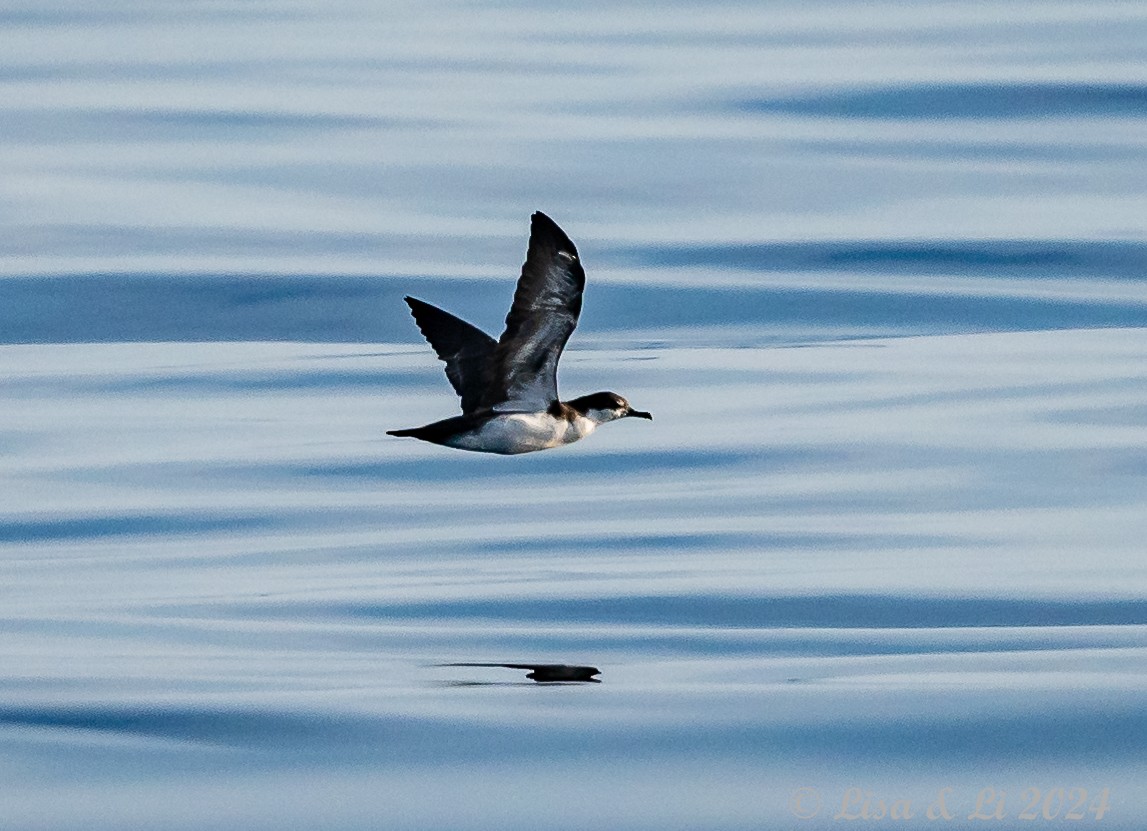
x=975, y=101
x=102, y=526
x=822, y=611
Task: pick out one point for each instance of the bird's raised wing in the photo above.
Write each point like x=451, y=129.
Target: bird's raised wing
x=466, y=350
x=523, y=375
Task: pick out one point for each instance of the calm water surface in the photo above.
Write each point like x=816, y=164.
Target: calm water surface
x=877, y=270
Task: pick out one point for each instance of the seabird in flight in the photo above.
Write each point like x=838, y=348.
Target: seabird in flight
x=509, y=386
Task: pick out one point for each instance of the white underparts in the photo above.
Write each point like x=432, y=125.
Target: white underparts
x=511, y=433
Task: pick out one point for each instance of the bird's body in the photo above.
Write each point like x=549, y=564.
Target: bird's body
x=508, y=387
x=505, y=433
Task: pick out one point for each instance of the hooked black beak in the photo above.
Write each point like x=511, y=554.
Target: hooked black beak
x=639, y=414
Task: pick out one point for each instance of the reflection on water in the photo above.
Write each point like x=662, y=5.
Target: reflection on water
x=879, y=272
x=546, y=673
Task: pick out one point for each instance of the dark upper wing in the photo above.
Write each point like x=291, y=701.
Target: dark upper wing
x=466, y=349
x=524, y=372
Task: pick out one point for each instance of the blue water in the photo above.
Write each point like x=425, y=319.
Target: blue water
x=879, y=271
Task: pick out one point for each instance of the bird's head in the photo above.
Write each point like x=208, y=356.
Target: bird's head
x=606, y=406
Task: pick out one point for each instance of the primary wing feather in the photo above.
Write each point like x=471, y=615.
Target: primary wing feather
x=547, y=302
x=466, y=350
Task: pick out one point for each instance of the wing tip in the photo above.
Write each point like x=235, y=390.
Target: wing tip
x=543, y=227
x=537, y=218
x=419, y=309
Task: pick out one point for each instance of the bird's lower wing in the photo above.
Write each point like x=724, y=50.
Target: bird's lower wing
x=467, y=351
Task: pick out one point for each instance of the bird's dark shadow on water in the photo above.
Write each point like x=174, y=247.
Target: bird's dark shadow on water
x=539, y=673
x=530, y=684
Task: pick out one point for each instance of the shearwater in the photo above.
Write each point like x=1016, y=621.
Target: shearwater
x=509, y=387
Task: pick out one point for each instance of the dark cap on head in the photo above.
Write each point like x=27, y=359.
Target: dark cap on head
x=606, y=401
